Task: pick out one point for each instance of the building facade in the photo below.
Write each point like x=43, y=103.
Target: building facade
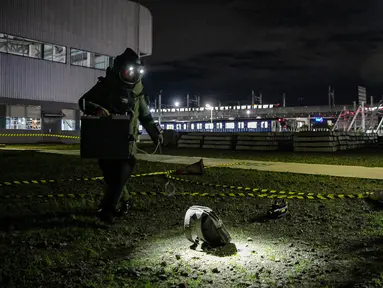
x=53, y=51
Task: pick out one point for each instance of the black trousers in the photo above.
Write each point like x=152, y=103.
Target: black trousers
x=116, y=175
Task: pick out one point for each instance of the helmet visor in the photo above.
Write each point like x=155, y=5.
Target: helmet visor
x=131, y=73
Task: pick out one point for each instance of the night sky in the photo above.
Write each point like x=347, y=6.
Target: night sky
x=224, y=49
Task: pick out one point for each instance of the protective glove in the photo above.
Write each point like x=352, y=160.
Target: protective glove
x=155, y=132
x=101, y=112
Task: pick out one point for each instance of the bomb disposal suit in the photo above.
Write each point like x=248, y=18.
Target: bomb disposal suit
x=120, y=93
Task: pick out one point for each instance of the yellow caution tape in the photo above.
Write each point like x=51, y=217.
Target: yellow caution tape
x=248, y=191
x=273, y=193
x=201, y=194
x=42, y=181
x=39, y=135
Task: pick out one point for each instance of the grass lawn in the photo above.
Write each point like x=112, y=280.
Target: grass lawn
x=45, y=146
x=372, y=157
x=58, y=243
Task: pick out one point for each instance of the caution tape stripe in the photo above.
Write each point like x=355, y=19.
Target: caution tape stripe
x=39, y=135
x=201, y=194
x=42, y=181
x=309, y=195
x=17, y=182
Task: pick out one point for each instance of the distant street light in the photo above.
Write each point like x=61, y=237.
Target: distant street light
x=209, y=107
x=177, y=104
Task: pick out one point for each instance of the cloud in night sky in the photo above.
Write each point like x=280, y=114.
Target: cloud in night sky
x=227, y=48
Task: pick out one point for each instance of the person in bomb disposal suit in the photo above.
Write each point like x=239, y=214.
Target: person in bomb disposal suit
x=121, y=90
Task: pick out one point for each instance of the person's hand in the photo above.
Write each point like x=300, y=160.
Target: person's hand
x=101, y=112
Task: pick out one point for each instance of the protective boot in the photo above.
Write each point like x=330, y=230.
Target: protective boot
x=125, y=208
x=107, y=216
x=126, y=203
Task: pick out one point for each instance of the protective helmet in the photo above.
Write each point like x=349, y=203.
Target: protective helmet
x=201, y=223
x=128, y=67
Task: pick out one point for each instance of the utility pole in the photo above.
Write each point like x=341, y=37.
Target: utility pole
x=155, y=103
x=187, y=100
x=331, y=97
x=256, y=98
x=363, y=118
x=159, y=107
x=284, y=100
x=372, y=101
x=252, y=98
x=355, y=111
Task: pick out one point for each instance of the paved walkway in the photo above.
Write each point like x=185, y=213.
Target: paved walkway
x=301, y=168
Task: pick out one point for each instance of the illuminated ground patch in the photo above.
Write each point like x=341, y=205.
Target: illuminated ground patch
x=58, y=243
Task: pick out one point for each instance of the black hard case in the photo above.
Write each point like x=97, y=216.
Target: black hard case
x=106, y=137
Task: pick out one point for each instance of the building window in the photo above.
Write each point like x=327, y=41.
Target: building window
x=54, y=53
x=209, y=126
x=101, y=61
x=68, y=122
x=169, y=126
x=3, y=43
x=219, y=126
x=230, y=125
x=34, y=49
x=31, y=48
x=199, y=126
x=79, y=58
x=264, y=124
x=18, y=123
x=23, y=117
x=89, y=59
x=33, y=123
x=241, y=125
x=68, y=125
x=252, y=125
x=33, y=119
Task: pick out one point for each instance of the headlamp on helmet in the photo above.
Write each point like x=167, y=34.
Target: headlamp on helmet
x=131, y=73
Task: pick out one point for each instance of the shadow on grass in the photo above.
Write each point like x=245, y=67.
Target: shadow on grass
x=266, y=218
x=367, y=269
x=223, y=251
x=375, y=205
x=120, y=253
x=50, y=220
